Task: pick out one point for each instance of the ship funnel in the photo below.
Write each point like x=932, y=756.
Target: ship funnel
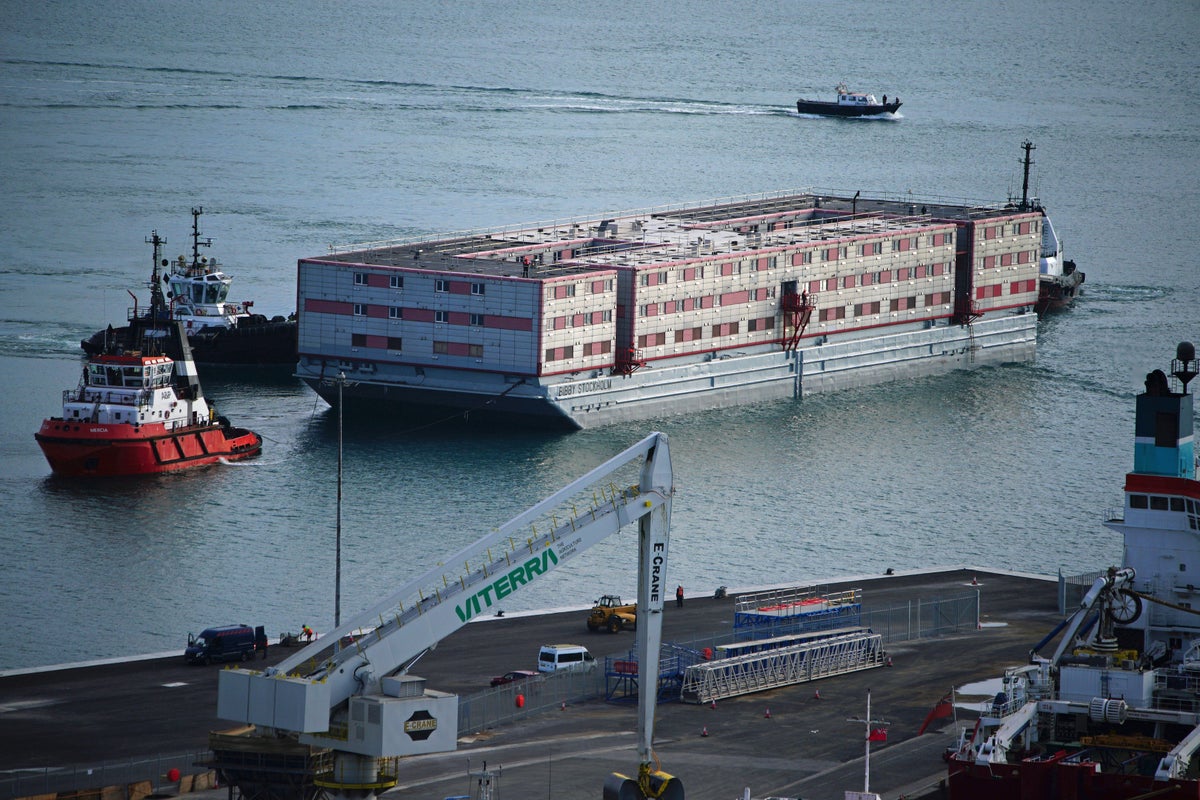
x=1185, y=367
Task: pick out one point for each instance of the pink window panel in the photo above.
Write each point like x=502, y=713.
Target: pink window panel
x=734, y=298
x=597, y=287
x=1024, y=227
x=652, y=279
x=560, y=291
x=935, y=269
x=669, y=307
x=459, y=287
x=459, y=318
x=377, y=341
x=848, y=282
x=989, y=262
x=831, y=254
x=597, y=317
x=327, y=306
x=1024, y=257
x=866, y=279
x=503, y=323
x=566, y=255
x=727, y=269
x=831, y=284
x=687, y=304
x=706, y=301
x=689, y=273
x=560, y=323
x=764, y=264
x=577, y=320
x=814, y=287
x=378, y=282
x=418, y=314
x=921, y=270
x=761, y=294
x=377, y=312
x=885, y=276
x=652, y=310
x=902, y=245
x=990, y=232
x=1006, y=259
x=797, y=259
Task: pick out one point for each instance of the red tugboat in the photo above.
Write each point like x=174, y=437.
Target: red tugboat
x=1114, y=713
x=141, y=413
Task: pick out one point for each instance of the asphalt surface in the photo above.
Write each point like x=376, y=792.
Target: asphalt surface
x=806, y=748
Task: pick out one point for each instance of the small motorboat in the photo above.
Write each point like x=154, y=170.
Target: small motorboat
x=141, y=412
x=848, y=104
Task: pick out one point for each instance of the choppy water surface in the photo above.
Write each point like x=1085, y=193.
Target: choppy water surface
x=349, y=123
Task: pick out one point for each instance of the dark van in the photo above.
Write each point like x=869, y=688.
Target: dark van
x=229, y=643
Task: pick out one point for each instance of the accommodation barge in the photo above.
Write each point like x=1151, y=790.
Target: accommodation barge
x=595, y=320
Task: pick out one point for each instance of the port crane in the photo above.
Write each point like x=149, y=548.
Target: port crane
x=361, y=702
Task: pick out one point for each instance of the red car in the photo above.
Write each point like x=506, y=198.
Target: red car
x=513, y=677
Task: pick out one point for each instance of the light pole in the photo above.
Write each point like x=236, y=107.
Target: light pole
x=337, y=584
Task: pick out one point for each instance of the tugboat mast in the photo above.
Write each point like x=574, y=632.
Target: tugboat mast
x=158, y=302
x=1028, y=147
x=196, y=267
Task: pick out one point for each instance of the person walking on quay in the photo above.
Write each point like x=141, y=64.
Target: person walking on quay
x=679, y=596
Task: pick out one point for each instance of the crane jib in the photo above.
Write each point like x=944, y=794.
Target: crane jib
x=506, y=584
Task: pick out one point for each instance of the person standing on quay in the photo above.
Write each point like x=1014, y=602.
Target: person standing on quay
x=679, y=596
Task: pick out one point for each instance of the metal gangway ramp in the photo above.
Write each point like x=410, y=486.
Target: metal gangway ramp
x=784, y=666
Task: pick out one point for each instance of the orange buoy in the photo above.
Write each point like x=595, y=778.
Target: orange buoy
x=520, y=701
x=173, y=774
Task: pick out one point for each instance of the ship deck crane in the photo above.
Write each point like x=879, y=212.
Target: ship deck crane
x=360, y=702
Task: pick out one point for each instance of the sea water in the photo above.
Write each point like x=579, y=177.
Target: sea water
x=306, y=124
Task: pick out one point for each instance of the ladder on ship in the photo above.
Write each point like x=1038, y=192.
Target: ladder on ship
x=797, y=311
x=770, y=669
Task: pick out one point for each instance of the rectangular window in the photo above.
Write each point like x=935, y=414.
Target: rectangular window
x=360, y=309
x=477, y=288
x=831, y=254
x=395, y=312
x=395, y=281
x=760, y=324
x=831, y=284
x=360, y=279
x=866, y=309
x=991, y=232
x=1006, y=259
x=358, y=340
x=441, y=285
x=475, y=350
x=395, y=343
x=477, y=320
x=441, y=316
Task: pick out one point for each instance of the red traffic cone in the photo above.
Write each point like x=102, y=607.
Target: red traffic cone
x=714, y=705
x=564, y=706
x=975, y=581
x=704, y=731
x=817, y=694
x=768, y=714
x=889, y=661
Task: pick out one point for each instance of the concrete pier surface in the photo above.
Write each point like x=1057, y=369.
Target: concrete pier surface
x=805, y=747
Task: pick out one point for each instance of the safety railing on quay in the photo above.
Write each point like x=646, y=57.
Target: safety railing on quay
x=919, y=619
x=164, y=772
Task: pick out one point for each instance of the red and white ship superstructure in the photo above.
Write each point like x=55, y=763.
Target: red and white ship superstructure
x=1114, y=713
x=138, y=413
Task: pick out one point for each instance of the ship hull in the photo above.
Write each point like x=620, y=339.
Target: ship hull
x=249, y=344
x=830, y=109
x=1051, y=779
x=81, y=449
x=1057, y=292
x=682, y=385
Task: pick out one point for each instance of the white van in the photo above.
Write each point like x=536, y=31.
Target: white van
x=554, y=657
